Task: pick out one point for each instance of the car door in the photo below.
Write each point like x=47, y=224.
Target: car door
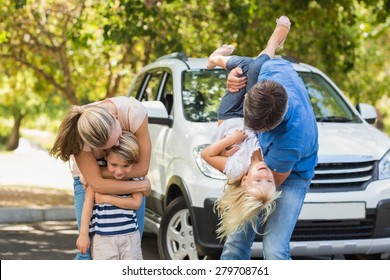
x=157, y=86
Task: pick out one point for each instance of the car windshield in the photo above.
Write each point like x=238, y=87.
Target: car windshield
x=204, y=89
x=327, y=103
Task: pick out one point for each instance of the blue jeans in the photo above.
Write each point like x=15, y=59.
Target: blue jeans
x=278, y=228
x=232, y=103
x=79, y=196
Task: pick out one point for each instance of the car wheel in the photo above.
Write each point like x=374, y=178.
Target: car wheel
x=176, y=240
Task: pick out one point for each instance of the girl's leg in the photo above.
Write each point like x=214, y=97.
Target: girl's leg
x=275, y=41
x=220, y=56
x=254, y=70
x=79, y=196
x=231, y=105
x=278, y=37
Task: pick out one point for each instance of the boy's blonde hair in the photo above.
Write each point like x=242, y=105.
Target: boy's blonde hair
x=90, y=125
x=128, y=147
x=241, y=204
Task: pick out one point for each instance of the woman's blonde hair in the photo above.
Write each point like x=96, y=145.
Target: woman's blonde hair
x=128, y=147
x=241, y=204
x=82, y=125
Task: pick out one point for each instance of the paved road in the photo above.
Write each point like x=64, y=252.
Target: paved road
x=29, y=165
x=51, y=240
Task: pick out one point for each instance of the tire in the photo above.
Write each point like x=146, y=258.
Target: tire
x=176, y=240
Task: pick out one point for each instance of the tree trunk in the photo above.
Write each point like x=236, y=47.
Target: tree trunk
x=13, y=140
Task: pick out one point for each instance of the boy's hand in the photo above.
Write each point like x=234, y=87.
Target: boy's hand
x=83, y=243
x=229, y=152
x=234, y=82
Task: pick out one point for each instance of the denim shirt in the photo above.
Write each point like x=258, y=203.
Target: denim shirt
x=293, y=144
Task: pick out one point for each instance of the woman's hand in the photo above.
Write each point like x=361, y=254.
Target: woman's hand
x=234, y=82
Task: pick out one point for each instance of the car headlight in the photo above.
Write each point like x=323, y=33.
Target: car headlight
x=206, y=169
x=384, y=166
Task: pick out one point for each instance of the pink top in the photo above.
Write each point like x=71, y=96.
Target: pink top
x=131, y=114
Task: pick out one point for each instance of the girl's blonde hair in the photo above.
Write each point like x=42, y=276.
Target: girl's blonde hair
x=128, y=147
x=82, y=125
x=241, y=204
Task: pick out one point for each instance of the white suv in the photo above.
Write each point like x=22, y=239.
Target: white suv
x=347, y=209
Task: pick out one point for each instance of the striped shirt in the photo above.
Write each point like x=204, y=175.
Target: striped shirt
x=108, y=219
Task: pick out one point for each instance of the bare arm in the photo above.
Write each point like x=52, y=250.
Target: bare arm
x=234, y=83
x=91, y=172
x=132, y=202
x=214, y=154
x=141, y=167
x=83, y=241
x=280, y=177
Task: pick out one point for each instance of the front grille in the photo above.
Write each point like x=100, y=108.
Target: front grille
x=344, y=176
x=333, y=230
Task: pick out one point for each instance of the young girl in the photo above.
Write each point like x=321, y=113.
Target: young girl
x=236, y=151
x=113, y=225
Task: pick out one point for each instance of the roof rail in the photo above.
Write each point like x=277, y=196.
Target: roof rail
x=290, y=58
x=178, y=55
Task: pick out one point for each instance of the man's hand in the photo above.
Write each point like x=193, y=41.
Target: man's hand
x=229, y=152
x=234, y=82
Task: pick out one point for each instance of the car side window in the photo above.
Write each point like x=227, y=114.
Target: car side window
x=151, y=87
x=167, y=93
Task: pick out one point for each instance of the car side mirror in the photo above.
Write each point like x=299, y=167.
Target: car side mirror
x=368, y=112
x=157, y=113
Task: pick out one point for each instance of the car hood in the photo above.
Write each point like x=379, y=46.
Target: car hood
x=350, y=142
x=338, y=142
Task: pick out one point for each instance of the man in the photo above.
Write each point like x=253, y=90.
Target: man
x=290, y=144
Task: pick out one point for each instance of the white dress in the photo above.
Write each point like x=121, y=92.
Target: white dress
x=238, y=164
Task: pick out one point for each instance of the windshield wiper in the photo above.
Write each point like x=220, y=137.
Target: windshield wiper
x=333, y=119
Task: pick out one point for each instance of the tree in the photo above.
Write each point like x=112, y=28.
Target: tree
x=62, y=42
x=16, y=85
x=89, y=50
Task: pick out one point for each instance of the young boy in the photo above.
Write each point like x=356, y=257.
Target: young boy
x=111, y=220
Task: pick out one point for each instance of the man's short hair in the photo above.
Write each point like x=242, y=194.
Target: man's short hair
x=265, y=105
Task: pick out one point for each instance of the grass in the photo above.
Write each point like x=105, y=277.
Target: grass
x=30, y=196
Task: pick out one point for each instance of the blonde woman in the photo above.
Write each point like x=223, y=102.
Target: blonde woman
x=86, y=131
x=111, y=220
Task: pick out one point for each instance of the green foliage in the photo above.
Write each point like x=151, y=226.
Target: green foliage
x=82, y=51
